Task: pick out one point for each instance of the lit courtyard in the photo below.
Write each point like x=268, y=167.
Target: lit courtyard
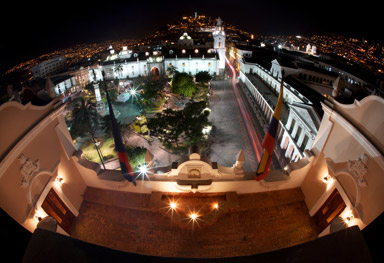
x=224, y=225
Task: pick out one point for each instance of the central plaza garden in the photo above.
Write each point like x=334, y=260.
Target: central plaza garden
x=172, y=112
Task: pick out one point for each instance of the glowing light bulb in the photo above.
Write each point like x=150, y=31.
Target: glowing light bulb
x=215, y=205
x=143, y=169
x=193, y=216
x=173, y=205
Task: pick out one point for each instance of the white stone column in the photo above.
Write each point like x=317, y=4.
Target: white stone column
x=285, y=136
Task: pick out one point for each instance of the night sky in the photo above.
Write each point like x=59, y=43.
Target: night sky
x=32, y=28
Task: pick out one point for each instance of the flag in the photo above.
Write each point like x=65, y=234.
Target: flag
x=126, y=168
x=270, y=138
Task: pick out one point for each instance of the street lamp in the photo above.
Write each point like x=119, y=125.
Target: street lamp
x=193, y=216
x=173, y=205
x=207, y=129
x=97, y=143
x=143, y=169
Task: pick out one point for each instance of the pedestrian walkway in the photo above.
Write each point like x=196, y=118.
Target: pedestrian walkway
x=256, y=223
x=229, y=135
x=162, y=158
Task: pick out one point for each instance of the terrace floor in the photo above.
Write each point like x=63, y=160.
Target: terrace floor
x=243, y=224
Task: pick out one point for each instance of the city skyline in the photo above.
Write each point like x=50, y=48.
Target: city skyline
x=34, y=29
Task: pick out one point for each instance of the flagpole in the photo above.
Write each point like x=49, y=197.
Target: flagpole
x=270, y=137
x=126, y=168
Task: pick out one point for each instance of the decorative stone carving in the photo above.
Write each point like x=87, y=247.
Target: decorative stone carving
x=358, y=169
x=240, y=159
x=28, y=169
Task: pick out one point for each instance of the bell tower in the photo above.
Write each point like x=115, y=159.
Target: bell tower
x=219, y=43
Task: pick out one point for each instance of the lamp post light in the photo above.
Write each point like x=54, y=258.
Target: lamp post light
x=173, y=205
x=97, y=143
x=167, y=101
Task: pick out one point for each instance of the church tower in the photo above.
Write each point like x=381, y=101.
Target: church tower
x=219, y=43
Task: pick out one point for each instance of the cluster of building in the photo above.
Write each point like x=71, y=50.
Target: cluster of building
x=364, y=58
x=309, y=79
x=198, y=43
x=190, y=52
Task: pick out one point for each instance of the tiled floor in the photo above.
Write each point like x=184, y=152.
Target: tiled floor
x=247, y=224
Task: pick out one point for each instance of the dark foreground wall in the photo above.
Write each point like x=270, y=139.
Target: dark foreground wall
x=347, y=245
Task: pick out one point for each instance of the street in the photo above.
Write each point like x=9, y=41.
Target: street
x=236, y=126
x=230, y=135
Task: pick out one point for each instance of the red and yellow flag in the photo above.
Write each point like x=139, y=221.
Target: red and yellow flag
x=270, y=138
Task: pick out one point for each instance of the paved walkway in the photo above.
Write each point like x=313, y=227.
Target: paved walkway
x=229, y=135
x=256, y=223
x=162, y=158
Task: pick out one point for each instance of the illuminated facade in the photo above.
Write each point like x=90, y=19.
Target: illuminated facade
x=49, y=67
x=219, y=42
x=140, y=64
x=185, y=57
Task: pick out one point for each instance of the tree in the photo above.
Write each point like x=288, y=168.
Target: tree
x=171, y=71
x=84, y=118
x=151, y=92
x=107, y=125
x=203, y=77
x=85, y=121
x=172, y=126
x=196, y=117
x=183, y=84
x=90, y=89
x=118, y=69
x=113, y=93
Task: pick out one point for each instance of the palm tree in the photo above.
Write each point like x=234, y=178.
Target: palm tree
x=84, y=118
x=118, y=69
x=171, y=70
x=85, y=121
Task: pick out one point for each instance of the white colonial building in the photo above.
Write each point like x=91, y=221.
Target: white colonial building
x=185, y=57
x=219, y=42
x=156, y=63
x=49, y=67
x=301, y=129
x=298, y=132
